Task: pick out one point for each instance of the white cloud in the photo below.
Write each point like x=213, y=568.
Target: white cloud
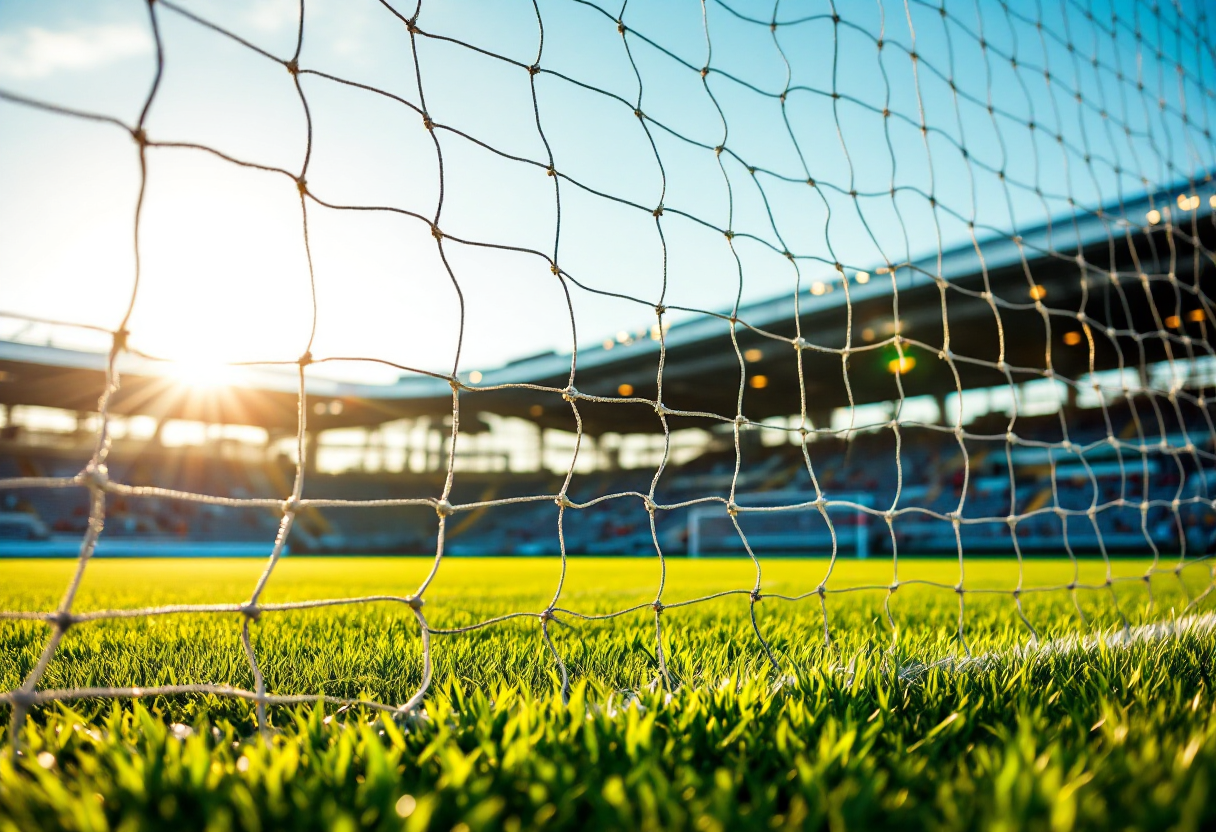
x=35, y=52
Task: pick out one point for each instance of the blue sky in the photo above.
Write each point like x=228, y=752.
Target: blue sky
x=224, y=270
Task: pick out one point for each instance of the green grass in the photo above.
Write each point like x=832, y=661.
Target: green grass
x=1107, y=739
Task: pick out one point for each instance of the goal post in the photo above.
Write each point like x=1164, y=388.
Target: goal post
x=786, y=523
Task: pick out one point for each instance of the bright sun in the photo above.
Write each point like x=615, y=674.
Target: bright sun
x=201, y=373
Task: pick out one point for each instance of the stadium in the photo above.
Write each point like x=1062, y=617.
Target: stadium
x=553, y=416
x=857, y=456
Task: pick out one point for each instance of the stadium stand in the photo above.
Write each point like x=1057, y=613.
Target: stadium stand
x=1118, y=480
x=863, y=463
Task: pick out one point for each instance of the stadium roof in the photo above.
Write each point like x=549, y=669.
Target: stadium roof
x=702, y=370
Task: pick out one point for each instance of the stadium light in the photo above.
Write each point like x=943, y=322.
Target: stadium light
x=625, y=390
x=758, y=382
x=900, y=365
x=1072, y=338
x=1038, y=291
x=753, y=355
x=1195, y=316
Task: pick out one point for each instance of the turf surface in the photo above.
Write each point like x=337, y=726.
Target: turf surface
x=1111, y=739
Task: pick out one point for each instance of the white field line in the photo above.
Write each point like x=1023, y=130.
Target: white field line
x=1117, y=639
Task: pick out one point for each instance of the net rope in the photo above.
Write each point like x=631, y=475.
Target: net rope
x=1152, y=35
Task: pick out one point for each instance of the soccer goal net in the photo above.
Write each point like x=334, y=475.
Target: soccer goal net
x=926, y=278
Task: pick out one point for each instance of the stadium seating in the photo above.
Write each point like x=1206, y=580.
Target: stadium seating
x=931, y=476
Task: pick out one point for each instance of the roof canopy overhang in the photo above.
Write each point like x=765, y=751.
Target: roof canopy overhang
x=982, y=296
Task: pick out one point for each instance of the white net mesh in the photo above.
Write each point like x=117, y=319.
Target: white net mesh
x=1052, y=163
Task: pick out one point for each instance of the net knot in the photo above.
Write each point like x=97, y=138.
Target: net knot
x=658, y=212
x=800, y=343
x=61, y=620
x=293, y=66
x=649, y=505
x=251, y=611
x=436, y=232
x=658, y=607
x=302, y=185
x=120, y=340
x=96, y=475
x=637, y=113
x=545, y=616
x=550, y=171
x=704, y=71
x=620, y=27
x=553, y=267
x=563, y=501
x=23, y=698
x=730, y=235
x=570, y=394
x=662, y=409
x=821, y=591
x=415, y=602
x=443, y=508
x=140, y=135
x=756, y=596
x=742, y=421
x=535, y=68
x=291, y=505
x=305, y=359
x=732, y=508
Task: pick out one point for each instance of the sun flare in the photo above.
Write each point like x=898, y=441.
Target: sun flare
x=201, y=373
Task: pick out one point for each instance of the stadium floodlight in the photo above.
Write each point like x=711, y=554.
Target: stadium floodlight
x=1013, y=201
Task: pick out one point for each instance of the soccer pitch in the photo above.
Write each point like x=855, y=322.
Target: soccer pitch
x=1110, y=737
